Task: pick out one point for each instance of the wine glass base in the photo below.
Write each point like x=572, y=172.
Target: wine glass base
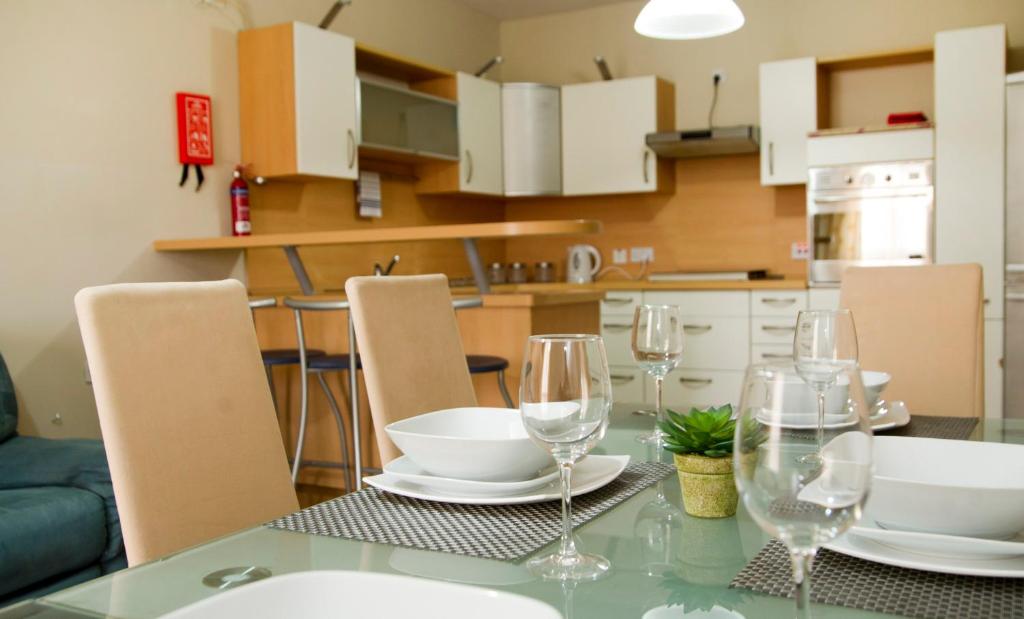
x=651, y=438
x=575, y=568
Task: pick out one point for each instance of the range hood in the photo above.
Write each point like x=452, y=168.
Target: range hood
x=712, y=142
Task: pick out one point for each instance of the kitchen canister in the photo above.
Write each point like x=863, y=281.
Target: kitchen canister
x=496, y=273
x=544, y=272
x=517, y=273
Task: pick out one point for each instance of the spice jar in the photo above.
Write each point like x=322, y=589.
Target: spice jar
x=517, y=273
x=496, y=273
x=544, y=272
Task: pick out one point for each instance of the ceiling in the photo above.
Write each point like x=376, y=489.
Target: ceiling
x=515, y=9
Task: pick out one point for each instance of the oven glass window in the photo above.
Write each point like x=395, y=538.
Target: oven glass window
x=878, y=229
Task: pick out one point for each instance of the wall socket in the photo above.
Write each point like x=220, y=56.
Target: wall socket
x=620, y=256
x=641, y=254
x=800, y=250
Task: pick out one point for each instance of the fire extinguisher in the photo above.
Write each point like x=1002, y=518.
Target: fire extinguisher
x=240, y=225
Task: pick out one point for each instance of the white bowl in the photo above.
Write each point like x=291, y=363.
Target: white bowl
x=935, y=485
x=477, y=443
x=874, y=384
x=800, y=397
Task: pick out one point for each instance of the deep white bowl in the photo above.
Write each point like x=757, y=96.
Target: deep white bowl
x=477, y=443
x=932, y=485
x=874, y=384
x=801, y=399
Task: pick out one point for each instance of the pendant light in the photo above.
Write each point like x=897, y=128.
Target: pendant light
x=688, y=19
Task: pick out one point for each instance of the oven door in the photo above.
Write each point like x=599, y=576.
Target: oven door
x=868, y=228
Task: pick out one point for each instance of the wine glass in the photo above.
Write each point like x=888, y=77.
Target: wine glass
x=565, y=396
x=825, y=342
x=657, y=342
x=802, y=502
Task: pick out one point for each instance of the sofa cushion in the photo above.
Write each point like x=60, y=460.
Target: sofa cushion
x=48, y=531
x=8, y=405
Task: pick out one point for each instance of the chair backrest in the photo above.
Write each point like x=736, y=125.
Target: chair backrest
x=193, y=443
x=409, y=343
x=924, y=326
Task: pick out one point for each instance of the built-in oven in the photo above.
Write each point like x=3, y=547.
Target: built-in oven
x=878, y=214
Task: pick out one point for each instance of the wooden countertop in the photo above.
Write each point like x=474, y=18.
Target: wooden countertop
x=501, y=229
x=604, y=286
x=504, y=299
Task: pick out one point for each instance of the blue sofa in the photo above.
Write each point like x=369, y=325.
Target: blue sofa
x=58, y=519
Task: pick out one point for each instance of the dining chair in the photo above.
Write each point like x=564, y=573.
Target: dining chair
x=924, y=326
x=193, y=443
x=411, y=351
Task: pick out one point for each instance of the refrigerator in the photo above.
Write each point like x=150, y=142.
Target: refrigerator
x=1013, y=359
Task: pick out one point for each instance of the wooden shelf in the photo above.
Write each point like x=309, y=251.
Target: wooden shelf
x=386, y=64
x=494, y=230
x=873, y=60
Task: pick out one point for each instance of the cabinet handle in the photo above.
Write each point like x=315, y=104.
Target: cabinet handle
x=696, y=329
x=771, y=158
x=696, y=382
x=351, y=149
x=617, y=328
x=777, y=329
x=647, y=156
x=778, y=302
x=469, y=167
x=775, y=355
x=622, y=379
x=617, y=301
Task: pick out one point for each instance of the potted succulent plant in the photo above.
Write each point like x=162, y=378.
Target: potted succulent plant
x=702, y=444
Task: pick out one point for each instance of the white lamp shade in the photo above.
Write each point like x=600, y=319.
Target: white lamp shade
x=688, y=19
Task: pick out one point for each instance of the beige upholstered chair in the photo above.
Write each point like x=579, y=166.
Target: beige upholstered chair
x=194, y=447
x=924, y=326
x=410, y=348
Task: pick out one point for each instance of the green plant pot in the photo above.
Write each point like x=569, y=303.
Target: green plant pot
x=708, y=485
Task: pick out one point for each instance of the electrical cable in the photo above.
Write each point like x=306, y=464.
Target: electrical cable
x=714, y=100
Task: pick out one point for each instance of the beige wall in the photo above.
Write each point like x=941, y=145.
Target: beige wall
x=89, y=156
x=559, y=48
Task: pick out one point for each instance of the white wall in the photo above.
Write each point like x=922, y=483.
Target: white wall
x=88, y=168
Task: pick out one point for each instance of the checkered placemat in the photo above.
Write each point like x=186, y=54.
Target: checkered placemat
x=926, y=426
x=842, y=580
x=505, y=532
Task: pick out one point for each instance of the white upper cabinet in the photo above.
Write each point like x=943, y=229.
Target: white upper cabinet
x=789, y=111
x=297, y=103
x=970, y=153
x=480, y=168
x=604, y=128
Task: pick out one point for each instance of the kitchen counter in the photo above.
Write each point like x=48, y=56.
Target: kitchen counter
x=606, y=285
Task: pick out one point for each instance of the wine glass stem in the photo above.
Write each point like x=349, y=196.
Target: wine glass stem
x=802, y=560
x=821, y=419
x=568, y=548
x=659, y=413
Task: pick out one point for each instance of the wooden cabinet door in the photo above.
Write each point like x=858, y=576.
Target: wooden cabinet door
x=604, y=126
x=326, y=142
x=480, y=167
x=789, y=110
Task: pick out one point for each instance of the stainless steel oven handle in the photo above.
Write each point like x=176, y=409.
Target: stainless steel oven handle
x=834, y=199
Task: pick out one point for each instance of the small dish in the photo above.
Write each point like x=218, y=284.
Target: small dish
x=404, y=469
x=889, y=415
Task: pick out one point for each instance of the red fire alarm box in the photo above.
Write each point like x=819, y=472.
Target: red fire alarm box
x=195, y=129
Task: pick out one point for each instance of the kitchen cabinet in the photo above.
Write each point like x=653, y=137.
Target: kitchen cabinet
x=297, y=102
x=604, y=127
x=789, y=111
x=531, y=139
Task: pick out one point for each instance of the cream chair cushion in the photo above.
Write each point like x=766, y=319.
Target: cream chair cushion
x=411, y=351
x=193, y=443
x=924, y=326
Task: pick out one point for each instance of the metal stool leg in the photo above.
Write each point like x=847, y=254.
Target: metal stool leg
x=353, y=406
x=504, y=389
x=342, y=437
x=270, y=381
x=304, y=405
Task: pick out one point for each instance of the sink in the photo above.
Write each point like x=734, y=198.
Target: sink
x=331, y=594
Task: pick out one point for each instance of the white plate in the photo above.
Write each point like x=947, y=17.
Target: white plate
x=889, y=415
x=589, y=474
x=870, y=550
x=808, y=421
x=404, y=469
x=953, y=546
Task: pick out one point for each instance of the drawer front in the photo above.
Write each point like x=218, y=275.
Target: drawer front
x=777, y=302
x=620, y=302
x=700, y=388
x=773, y=330
x=617, y=331
x=627, y=384
x=728, y=303
x=716, y=343
x=771, y=353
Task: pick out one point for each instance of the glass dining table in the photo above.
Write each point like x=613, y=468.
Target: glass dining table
x=665, y=564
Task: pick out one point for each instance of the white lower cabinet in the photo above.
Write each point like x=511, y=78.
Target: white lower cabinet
x=769, y=353
x=715, y=342
x=617, y=331
x=628, y=384
x=686, y=388
x=776, y=330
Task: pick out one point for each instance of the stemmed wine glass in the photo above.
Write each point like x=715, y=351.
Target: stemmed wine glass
x=824, y=344
x=657, y=342
x=565, y=396
x=804, y=502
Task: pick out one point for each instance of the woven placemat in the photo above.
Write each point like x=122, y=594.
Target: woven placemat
x=505, y=532
x=842, y=580
x=925, y=426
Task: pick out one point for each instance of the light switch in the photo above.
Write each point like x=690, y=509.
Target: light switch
x=641, y=254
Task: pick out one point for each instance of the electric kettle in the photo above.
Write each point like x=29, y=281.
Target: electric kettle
x=583, y=264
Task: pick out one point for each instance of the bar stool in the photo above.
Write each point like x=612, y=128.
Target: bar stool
x=274, y=357
x=319, y=365
x=482, y=364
